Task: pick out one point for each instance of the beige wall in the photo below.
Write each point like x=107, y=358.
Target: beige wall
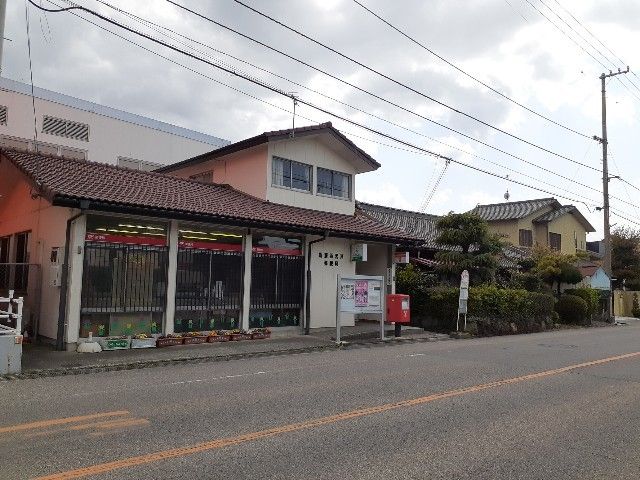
x=324, y=282
x=18, y=213
x=623, y=303
x=376, y=264
x=567, y=225
x=310, y=151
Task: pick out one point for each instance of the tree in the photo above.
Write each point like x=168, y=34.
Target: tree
x=625, y=258
x=468, y=246
x=556, y=268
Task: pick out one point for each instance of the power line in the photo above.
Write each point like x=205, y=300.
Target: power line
x=533, y=164
x=451, y=64
x=561, y=30
x=327, y=112
x=397, y=82
x=315, y=121
x=590, y=33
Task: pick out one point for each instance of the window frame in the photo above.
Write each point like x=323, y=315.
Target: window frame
x=525, y=242
x=290, y=177
x=552, y=245
x=333, y=188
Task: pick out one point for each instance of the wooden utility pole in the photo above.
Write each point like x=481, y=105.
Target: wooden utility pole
x=605, y=176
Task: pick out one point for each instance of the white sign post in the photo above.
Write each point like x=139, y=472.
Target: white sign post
x=360, y=294
x=464, y=297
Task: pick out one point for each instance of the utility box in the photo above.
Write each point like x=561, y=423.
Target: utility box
x=10, y=354
x=398, y=309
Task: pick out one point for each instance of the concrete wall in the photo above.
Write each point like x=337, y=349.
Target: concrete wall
x=18, y=213
x=312, y=152
x=623, y=303
x=109, y=137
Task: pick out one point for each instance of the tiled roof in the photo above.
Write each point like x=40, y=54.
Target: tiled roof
x=513, y=210
x=67, y=182
x=273, y=136
x=416, y=224
x=565, y=209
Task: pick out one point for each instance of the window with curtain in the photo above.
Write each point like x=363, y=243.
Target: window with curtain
x=334, y=183
x=289, y=174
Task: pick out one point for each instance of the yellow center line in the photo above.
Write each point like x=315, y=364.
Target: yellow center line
x=126, y=422
x=59, y=421
x=225, y=442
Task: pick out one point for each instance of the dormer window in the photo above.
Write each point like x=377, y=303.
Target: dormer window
x=334, y=183
x=290, y=174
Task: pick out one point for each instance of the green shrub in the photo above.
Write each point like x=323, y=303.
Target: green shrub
x=527, y=311
x=572, y=309
x=589, y=295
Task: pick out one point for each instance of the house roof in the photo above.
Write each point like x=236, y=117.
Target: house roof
x=589, y=270
x=274, y=136
x=564, y=210
x=416, y=224
x=70, y=182
x=84, y=105
x=514, y=210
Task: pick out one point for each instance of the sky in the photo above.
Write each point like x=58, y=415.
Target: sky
x=533, y=51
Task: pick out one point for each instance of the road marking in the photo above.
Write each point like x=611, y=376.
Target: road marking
x=59, y=421
x=120, y=423
x=249, y=437
x=225, y=377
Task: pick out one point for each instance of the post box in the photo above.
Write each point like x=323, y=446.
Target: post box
x=398, y=309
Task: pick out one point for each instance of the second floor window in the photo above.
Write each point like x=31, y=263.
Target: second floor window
x=555, y=241
x=290, y=174
x=526, y=238
x=334, y=183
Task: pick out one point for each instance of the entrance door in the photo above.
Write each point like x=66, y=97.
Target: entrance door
x=22, y=257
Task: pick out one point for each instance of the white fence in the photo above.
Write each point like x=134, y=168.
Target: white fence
x=10, y=314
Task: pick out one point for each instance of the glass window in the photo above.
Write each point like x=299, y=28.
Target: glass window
x=334, y=183
x=290, y=174
x=526, y=238
x=555, y=241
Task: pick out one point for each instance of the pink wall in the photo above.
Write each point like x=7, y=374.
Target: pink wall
x=18, y=213
x=245, y=170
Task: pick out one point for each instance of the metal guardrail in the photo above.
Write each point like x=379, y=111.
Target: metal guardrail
x=9, y=314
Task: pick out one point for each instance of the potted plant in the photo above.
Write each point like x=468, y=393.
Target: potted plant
x=258, y=333
x=169, y=340
x=115, y=343
x=218, y=336
x=142, y=340
x=194, y=337
x=238, y=334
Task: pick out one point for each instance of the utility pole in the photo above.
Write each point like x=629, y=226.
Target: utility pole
x=3, y=12
x=606, y=177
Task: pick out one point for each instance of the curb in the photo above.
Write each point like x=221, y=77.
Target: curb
x=113, y=367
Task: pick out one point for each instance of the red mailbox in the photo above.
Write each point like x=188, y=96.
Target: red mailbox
x=398, y=309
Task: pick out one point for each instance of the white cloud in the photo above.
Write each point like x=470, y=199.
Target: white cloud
x=387, y=194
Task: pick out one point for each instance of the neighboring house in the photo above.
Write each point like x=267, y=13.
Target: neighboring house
x=424, y=227
x=155, y=252
x=538, y=222
x=76, y=128
x=594, y=276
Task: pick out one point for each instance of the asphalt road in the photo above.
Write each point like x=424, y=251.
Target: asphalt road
x=504, y=407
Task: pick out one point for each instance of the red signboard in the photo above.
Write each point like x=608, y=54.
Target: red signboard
x=277, y=251
x=130, y=240
x=227, y=247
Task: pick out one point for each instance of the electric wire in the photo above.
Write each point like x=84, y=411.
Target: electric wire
x=364, y=127
x=467, y=74
x=399, y=83
x=378, y=117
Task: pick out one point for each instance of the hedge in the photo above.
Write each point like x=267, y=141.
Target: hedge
x=572, y=309
x=436, y=308
x=590, y=295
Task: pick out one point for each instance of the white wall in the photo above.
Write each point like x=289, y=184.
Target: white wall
x=109, y=137
x=324, y=281
x=310, y=151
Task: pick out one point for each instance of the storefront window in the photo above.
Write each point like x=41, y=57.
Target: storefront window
x=209, y=280
x=277, y=268
x=124, y=280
